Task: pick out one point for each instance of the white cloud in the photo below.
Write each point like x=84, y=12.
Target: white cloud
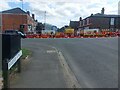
x=119, y=8
x=60, y=12
x=4, y=5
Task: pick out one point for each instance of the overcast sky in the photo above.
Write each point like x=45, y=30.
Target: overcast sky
x=60, y=12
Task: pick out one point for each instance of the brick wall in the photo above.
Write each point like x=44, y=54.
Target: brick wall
x=13, y=21
x=100, y=22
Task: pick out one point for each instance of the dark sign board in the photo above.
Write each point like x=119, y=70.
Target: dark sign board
x=11, y=45
x=11, y=53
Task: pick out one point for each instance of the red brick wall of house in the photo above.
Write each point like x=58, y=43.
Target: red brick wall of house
x=13, y=21
x=31, y=21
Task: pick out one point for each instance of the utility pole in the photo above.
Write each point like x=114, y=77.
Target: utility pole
x=22, y=25
x=44, y=20
x=22, y=13
x=119, y=8
x=22, y=9
x=1, y=22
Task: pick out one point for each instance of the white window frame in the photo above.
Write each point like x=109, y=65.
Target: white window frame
x=112, y=21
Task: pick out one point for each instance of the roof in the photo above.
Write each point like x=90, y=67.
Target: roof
x=74, y=24
x=15, y=11
x=105, y=15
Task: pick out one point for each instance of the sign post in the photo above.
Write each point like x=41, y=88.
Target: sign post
x=5, y=73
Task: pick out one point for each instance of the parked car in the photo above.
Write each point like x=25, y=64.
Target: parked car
x=15, y=32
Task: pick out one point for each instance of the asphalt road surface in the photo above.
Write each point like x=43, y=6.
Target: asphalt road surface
x=93, y=61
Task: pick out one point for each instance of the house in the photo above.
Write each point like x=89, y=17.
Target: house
x=16, y=19
x=101, y=21
x=74, y=25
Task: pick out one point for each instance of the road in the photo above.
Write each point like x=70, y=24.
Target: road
x=94, y=62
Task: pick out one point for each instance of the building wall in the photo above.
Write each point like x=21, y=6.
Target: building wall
x=13, y=21
x=99, y=22
x=117, y=23
x=32, y=24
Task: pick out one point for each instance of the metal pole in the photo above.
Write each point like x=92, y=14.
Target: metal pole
x=22, y=17
x=5, y=74
x=119, y=23
x=0, y=40
x=45, y=20
x=1, y=22
x=19, y=65
x=22, y=9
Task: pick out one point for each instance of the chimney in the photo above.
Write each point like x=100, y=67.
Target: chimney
x=80, y=19
x=28, y=13
x=102, y=11
x=33, y=16
x=91, y=14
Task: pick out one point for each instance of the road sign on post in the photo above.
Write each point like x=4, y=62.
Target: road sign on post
x=11, y=53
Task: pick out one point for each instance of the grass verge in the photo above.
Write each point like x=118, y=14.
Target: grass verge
x=25, y=53
x=14, y=76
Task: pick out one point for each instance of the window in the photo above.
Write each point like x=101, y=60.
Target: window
x=83, y=22
x=80, y=23
x=87, y=21
x=112, y=21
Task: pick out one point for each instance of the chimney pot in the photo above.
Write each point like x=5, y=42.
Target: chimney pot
x=80, y=18
x=33, y=16
x=102, y=11
x=28, y=13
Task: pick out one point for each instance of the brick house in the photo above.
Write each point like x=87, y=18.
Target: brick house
x=74, y=25
x=101, y=21
x=13, y=18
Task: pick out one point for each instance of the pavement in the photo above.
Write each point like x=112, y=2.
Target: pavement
x=43, y=69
